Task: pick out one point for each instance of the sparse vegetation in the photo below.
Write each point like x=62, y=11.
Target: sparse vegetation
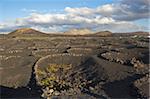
x=53, y=77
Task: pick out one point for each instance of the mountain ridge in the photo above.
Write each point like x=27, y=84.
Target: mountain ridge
x=72, y=32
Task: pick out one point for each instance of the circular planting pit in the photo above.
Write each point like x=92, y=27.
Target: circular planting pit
x=53, y=72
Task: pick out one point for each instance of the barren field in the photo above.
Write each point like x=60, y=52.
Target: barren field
x=74, y=67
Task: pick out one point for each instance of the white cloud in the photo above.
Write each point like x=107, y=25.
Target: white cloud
x=114, y=17
x=106, y=9
x=80, y=11
x=126, y=10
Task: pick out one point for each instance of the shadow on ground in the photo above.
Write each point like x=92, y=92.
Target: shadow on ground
x=122, y=88
x=23, y=92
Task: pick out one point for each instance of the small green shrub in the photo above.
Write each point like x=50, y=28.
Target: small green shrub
x=53, y=77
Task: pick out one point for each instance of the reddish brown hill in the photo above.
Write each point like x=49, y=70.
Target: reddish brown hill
x=26, y=32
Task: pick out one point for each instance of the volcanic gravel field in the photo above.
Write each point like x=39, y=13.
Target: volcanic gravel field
x=74, y=67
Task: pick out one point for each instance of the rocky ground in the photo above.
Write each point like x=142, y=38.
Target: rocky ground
x=74, y=67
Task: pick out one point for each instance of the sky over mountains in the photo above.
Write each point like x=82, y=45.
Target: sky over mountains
x=62, y=15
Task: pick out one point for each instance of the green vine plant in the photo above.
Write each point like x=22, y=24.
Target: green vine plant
x=53, y=77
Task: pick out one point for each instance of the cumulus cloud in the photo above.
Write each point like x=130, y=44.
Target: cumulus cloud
x=80, y=11
x=138, y=8
x=114, y=17
x=126, y=10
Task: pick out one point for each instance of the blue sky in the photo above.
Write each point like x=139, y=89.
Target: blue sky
x=11, y=9
x=92, y=14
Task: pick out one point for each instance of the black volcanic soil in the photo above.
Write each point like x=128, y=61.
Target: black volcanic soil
x=101, y=67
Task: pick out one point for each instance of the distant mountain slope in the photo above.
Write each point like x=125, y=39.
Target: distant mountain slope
x=138, y=33
x=103, y=33
x=78, y=32
x=26, y=32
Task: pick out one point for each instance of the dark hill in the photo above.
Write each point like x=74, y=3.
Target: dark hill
x=138, y=33
x=141, y=33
